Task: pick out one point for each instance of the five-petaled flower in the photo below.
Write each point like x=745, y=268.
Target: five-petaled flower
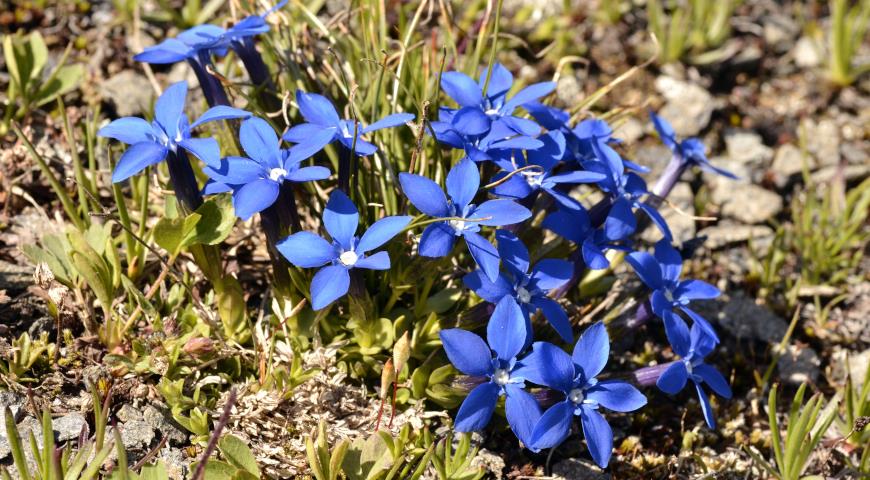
x=498, y=364
x=692, y=346
x=575, y=376
x=152, y=142
x=691, y=150
x=255, y=180
x=529, y=289
x=323, y=126
x=344, y=253
x=661, y=273
x=462, y=218
x=576, y=226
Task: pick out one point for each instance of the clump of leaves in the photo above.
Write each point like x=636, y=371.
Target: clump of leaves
x=690, y=28
x=26, y=354
x=848, y=28
x=31, y=82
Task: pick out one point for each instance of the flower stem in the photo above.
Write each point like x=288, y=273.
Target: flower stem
x=211, y=87
x=183, y=181
x=648, y=376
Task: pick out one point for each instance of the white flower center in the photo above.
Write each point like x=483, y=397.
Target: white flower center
x=669, y=295
x=688, y=365
x=576, y=396
x=348, y=258
x=458, y=225
x=492, y=111
x=277, y=174
x=523, y=295
x=501, y=377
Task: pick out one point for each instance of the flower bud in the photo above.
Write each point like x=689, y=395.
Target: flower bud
x=198, y=346
x=388, y=376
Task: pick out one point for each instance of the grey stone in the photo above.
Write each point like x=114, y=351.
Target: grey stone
x=807, y=53
x=577, y=469
x=799, y=365
x=823, y=141
x=748, y=203
x=68, y=426
x=129, y=92
x=779, y=31
x=136, y=434
x=787, y=163
x=177, y=464
x=128, y=413
x=856, y=153
x=14, y=402
x=164, y=425
x=747, y=148
x=491, y=462
x=689, y=106
x=630, y=131
x=725, y=234
x=743, y=318
x=851, y=173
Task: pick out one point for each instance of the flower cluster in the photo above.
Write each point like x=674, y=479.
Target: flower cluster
x=534, y=165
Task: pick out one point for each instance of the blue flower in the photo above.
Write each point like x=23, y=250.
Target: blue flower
x=692, y=346
x=324, y=127
x=344, y=253
x=625, y=188
x=661, y=273
x=522, y=184
x=255, y=179
x=528, y=289
x=482, y=140
x=497, y=362
x=575, y=225
x=438, y=238
x=169, y=131
x=480, y=111
x=575, y=376
x=691, y=150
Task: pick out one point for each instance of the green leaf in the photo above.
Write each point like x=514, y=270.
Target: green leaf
x=156, y=471
x=172, y=234
x=367, y=458
x=217, y=470
x=65, y=79
x=216, y=222
x=443, y=300
x=237, y=453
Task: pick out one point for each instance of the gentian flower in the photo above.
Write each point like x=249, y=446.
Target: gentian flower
x=255, y=179
x=625, y=188
x=479, y=111
x=344, y=253
x=167, y=133
x=438, y=238
x=482, y=140
x=692, y=346
x=661, y=273
x=528, y=289
x=497, y=363
x=522, y=184
x=575, y=225
x=690, y=151
x=575, y=376
x=324, y=127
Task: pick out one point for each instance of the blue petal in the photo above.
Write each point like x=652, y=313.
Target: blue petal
x=306, y=250
x=572, y=225
x=705, y=406
x=660, y=304
x=617, y=396
x=551, y=118
x=678, y=333
x=550, y=366
x=170, y=107
x=551, y=152
x=702, y=323
x=329, y=284
x=591, y=351
x=303, y=132
x=467, y=351
x=620, y=222
x=665, y=131
x=599, y=436
x=308, y=174
x=471, y=121
x=702, y=343
x=476, y=410
x=657, y=219
x=212, y=187
x=483, y=253
x=220, y=112
x=137, y=158
x=500, y=212
x=463, y=180
x=424, y=194
x=551, y=273
x=514, y=187
x=522, y=412
x=381, y=232
x=610, y=158
x=361, y=147
x=523, y=126
x=312, y=145
x=259, y=140
x=564, y=200
x=531, y=93
x=236, y=171
x=254, y=197
x=462, y=89
x=170, y=50
x=696, y=290
x=647, y=268
x=593, y=256
x=205, y=149
x=714, y=379
x=378, y=261
x=673, y=379
x=506, y=329
x=437, y=240
x=556, y=316
x=502, y=80
x=130, y=130
x=317, y=109
x=490, y=291
x=341, y=218
x=554, y=426
x=577, y=176
x=389, y=121
x=513, y=252
x=669, y=259
x=519, y=142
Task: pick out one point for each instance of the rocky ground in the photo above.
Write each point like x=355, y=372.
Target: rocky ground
x=766, y=112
